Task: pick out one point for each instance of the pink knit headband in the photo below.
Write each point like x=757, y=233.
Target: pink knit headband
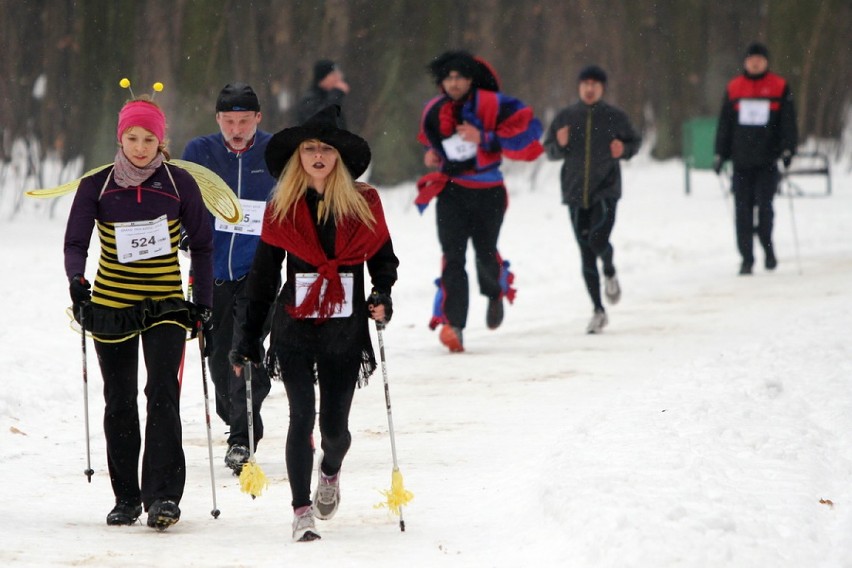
x=144, y=114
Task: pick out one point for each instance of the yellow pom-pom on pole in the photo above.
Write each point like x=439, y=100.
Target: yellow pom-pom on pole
x=252, y=479
x=397, y=496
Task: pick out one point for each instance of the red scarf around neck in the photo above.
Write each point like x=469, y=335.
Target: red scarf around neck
x=354, y=243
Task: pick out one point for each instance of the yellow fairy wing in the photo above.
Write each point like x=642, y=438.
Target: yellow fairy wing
x=218, y=197
x=65, y=188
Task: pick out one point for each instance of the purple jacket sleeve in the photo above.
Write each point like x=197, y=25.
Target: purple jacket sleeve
x=196, y=220
x=81, y=223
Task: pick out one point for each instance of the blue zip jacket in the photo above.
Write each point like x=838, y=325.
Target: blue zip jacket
x=246, y=174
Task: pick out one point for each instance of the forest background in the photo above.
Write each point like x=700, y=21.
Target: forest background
x=668, y=61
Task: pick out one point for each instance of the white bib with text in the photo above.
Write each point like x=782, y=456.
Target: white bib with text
x=754, y=112
x=139, y=240
x=252, y=220
x=457, y=149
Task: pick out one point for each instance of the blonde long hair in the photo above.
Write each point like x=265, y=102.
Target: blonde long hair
x=341, y=196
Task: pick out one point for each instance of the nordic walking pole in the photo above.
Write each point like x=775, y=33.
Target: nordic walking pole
x=397, y=496
x=252, y=478
x=201, y=343
x=89, y=471
x=793, y=221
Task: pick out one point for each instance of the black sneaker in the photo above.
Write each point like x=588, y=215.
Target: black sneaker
x=494, y=315
x=745, y=268
x=124, y=514
x=236, y=458
x=162, y=514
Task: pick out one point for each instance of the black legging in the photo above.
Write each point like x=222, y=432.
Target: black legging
x=337, y=379
x=163, y=462
x=592, y=228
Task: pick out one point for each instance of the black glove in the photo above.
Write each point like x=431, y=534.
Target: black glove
x=377, y=298
x=786, y=158
x=202, y=320
x=80, y=290
x=246, y=351
x=717, y=164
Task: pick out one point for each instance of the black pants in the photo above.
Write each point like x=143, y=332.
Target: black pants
x=592, y=228
x=337, y=378
x=754, y=187
x=163, y=462
x=469, y=214
x=229, y=308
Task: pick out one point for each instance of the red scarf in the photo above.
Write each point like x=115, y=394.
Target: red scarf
x=354, y=244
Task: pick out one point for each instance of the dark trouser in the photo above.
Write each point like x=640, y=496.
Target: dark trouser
x=754, y=187
x=476, y=215
x=592, y=228
x=163, y=462
x=229, y=308
x=337, y=378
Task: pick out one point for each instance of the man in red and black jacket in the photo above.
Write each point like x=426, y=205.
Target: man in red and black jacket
x=757, y=126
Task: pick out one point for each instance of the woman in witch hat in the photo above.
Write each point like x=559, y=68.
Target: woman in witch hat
x=327, y=226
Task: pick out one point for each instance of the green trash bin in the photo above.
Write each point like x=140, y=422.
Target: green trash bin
x=699, y=140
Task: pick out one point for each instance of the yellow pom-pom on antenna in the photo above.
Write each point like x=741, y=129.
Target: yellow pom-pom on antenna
x=252, y=479
x=124, y=83
x=158, y=86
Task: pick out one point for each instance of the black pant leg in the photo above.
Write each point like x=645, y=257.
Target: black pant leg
x=297, y=372
x=220, y=346
x=601, y=222
x=453, y=234
x=163, y=460
x=765, y=188
x=581, y=222
x=337, y=380
x=119, y=363
x=743, y=187
x=487, y=209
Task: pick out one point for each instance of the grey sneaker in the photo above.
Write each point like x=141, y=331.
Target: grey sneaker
x=327, y=494
x=236, y=457
x=612, y=290
x=303, y=525
x=597, y=323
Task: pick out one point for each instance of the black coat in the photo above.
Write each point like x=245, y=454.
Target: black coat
x=589, y=172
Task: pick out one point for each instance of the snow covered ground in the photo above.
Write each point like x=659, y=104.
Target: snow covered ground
x=710, y=425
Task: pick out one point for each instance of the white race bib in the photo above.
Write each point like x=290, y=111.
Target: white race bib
x=252, y=220
x=754, y=112
x=304, y=281
x=457, y=149
x=139, y=240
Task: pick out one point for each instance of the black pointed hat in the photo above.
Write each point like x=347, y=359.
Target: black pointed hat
x=324, y=126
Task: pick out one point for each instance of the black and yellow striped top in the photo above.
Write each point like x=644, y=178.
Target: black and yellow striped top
x=120, y=285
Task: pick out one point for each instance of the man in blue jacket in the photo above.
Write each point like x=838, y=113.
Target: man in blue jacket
x=236, y=153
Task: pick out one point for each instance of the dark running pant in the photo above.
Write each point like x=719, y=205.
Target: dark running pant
x=163, y=462
x=337, y=378
x=469, y=214
x=592, y=228
x=754, y=187
x=229, y=308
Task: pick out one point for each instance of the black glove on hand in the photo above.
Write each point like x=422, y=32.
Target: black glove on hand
x=202, y=320
x=377, y=298
x=80, y=290
x=787, y=158
x=717, y=164
x=246, y=351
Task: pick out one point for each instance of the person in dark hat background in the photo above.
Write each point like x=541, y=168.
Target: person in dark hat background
x=236, y=153
x=592, y=137
x=467, y=130
x=326, y=227
x=328, y=88
x=757, y=127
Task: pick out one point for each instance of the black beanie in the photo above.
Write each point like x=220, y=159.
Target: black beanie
x=592, y=73
x=322, y=68
x=757, y=48
x=461, y=62
x=237, y=97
